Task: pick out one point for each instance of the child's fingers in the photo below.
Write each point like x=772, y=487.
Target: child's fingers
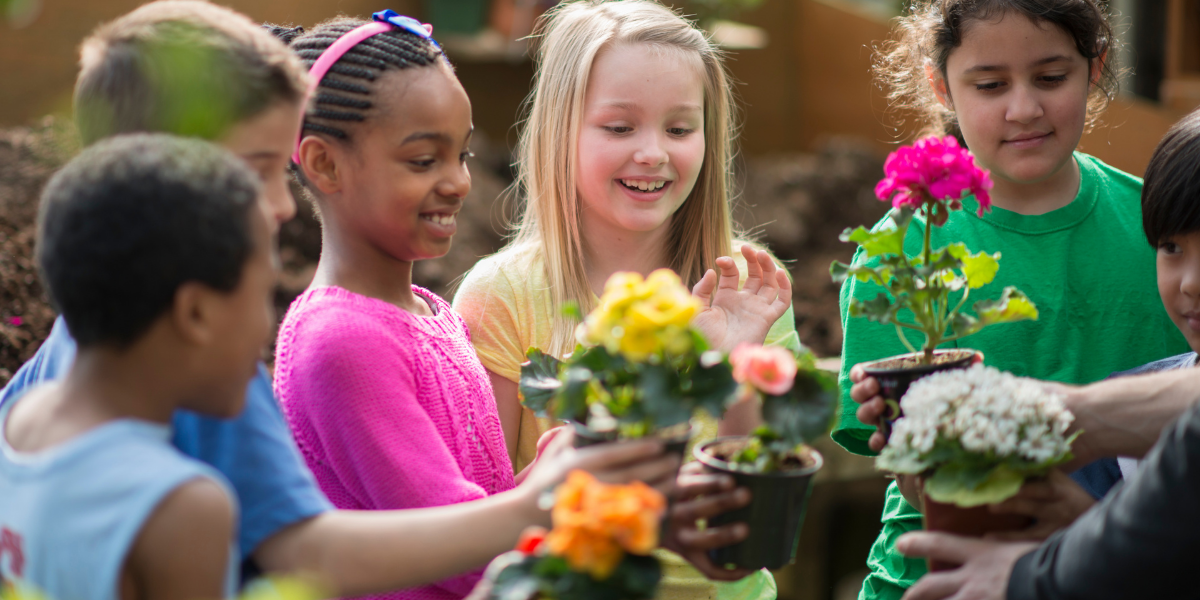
x=754, y=269
x=704, y=288
x=658, y=473
x=784, y=285
x=729, y=274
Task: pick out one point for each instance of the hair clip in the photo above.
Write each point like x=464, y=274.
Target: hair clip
x=408, y=24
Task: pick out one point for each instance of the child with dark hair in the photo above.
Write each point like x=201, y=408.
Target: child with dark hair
x=1018, y=81
x=156, y=253
x=187, y=66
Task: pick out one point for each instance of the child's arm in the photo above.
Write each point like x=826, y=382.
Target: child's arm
x=351, y=553
x=182, y=552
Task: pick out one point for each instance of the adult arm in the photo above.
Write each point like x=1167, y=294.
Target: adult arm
x=1138, y=543
x=182, y=551
x=1127, y=415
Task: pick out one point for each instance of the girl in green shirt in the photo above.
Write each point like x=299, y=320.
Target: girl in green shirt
x=1019, y=83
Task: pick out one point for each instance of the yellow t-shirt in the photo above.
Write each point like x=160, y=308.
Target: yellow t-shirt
x=505, y=302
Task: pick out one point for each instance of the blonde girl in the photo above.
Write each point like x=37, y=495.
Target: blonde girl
x=624, y=165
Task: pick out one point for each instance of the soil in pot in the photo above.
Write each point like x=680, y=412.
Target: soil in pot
x=897, y=373
x=776, y=509
x=975, y=521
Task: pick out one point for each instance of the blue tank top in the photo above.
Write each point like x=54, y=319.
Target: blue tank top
x=69, y=515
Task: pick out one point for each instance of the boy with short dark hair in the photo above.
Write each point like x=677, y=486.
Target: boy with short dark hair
x=158, y=255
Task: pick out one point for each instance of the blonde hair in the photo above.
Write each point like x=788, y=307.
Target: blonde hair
x=569, y=38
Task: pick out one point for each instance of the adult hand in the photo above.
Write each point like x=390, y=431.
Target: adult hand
x=703, y=495
x=732, y=316
x=1055, y=501
x=865, y=391
x=986, y=566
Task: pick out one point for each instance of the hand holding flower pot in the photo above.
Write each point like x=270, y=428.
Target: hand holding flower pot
x=599, y=548
x=775, y=464
x=929, y=178
x=975, y=436
x=640, y=369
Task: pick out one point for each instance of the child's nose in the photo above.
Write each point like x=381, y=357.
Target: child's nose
x=457, y=184
x=651, y=152
x=1189, y=284
x=1025, y=106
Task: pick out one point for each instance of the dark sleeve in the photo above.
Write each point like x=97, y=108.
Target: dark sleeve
x=1140, y=542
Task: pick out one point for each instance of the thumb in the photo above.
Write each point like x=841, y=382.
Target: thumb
x=938, y=546
x=704, y=288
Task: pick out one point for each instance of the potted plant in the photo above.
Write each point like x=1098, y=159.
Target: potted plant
x=927, y=292
x=599, y=548
x=775, y=463
x=640, y=368
x=974, y=436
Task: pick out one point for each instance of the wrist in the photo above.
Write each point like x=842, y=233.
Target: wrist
x=524, y=504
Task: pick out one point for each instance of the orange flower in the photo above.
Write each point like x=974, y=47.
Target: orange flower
x=596, y=523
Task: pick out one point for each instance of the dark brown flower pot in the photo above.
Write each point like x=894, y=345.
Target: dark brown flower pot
x=897, y=373
x=976, y=521
x=774, y=515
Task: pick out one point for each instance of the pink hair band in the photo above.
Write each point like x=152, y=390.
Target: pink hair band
x=330, y=56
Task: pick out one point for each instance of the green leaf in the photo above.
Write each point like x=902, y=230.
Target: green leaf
x=963, y=325
x=980, y=269
x=539, y=381
x=879, y=309
x=1013, y=305
x=840, y=272
x=886, y=240
x=805, y=412
x=959, y=484
x=573, y=398
x=711, y=388
x=571, y=311
x=660, y=397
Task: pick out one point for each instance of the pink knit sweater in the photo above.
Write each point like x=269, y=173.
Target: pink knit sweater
x=390, y=409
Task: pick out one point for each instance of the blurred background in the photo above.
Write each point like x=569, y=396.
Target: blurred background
x=815, y=133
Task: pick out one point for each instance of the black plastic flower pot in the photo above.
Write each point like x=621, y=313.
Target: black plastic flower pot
x=774, y=515
x=675, y=444
x=897, y=373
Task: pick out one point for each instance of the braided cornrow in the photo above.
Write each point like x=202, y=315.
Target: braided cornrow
x=344, y=93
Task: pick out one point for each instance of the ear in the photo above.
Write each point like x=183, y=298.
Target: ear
x=193, y=313
x=938, y=84
x=318, y=158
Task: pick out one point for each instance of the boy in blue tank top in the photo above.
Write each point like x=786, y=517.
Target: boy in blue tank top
x=159, y=257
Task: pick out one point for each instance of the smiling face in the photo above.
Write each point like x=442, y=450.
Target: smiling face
x=266, y=141
x=1178, y=265
x=1019, y=89
x=641, y=140
x=404, y=176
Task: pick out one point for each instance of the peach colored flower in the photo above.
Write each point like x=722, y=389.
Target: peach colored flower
x=596, y=523
x=769, y=369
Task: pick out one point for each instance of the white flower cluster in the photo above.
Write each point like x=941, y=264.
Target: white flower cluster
x=988, y=412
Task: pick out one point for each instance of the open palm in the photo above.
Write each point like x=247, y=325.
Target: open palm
x=731, y=315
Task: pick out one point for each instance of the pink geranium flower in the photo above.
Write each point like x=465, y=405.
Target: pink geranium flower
x=933, y=170
x=769, y=369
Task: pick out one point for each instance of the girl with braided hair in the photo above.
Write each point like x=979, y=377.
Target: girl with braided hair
x=377, y=378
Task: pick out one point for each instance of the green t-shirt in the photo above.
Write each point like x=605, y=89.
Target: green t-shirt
x=1087, y=267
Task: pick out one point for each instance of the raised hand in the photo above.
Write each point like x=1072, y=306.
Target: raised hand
x=731, y=315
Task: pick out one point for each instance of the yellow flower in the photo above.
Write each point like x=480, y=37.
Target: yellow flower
x=596, y=523
x=639, y=318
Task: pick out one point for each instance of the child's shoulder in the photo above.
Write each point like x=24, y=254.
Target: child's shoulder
x=508, y=275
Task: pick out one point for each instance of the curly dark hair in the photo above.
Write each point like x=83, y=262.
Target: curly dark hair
x=134, y=217
x=932, y=29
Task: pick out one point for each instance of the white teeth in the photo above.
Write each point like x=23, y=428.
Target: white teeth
x=440, y=219
x=645, y=186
